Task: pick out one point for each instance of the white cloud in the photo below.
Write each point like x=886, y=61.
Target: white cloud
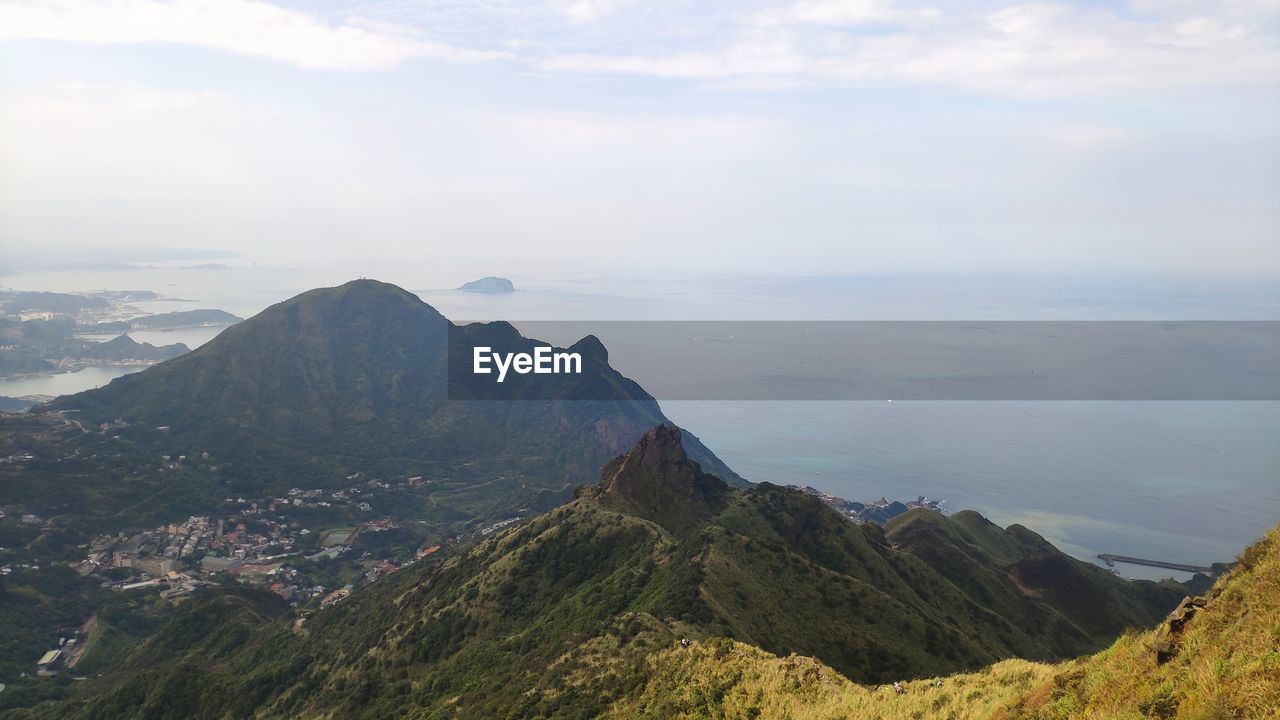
x=245, y=27
x=1085, y=138
x=844, y=12
x=1036, y=48
x=1021, y=48
x=584, y=11
x=571, y=136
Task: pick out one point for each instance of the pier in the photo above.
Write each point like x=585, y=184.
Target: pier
x=1111, y=560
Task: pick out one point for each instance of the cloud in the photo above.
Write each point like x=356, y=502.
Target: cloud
x=1085, y=138
x=1028, y=49
x=244, y=27
x=1045, y=49
x=844, y=12
x=584, y=11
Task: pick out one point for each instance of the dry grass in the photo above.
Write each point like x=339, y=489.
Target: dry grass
x=1227, y=663
x=725, y=679
x=1227, y=667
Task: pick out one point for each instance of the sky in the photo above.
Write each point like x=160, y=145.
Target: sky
x=745, y=136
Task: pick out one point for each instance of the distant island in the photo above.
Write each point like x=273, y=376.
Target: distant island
x=184, y=319
x=489, y=284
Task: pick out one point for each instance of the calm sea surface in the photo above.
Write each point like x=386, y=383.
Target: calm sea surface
x=1187, y=482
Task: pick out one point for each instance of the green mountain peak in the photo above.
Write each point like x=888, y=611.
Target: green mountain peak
x=657, y=481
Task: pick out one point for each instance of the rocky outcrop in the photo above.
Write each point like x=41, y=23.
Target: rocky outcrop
x=657, y=481
x=1167, y=637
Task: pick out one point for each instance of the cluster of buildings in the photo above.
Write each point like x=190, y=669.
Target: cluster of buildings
x=297, y=498
x=179, y=557
x=68, y=651
x=182, y=555
x=17, y=458
x=876, y=511
x=486, y=531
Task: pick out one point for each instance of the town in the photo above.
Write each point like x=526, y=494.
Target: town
x=876, y=511
x=257, y=544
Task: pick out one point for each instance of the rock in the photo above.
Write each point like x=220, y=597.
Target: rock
x=1181, y=615
x=1166, y=643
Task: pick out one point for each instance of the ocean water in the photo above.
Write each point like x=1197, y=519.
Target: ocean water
x=1190, y=482
x=63, y=383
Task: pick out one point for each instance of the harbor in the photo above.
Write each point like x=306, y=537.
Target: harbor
x=1111, y=560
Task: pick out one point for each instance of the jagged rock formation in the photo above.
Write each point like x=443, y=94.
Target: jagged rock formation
x=657, y=481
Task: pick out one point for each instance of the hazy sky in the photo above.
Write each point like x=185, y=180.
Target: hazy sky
x=808, y=136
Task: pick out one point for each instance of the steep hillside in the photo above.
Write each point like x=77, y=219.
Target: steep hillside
x=561, y=616
x=730, y=680
x=1214, y=657
x=1080, y=606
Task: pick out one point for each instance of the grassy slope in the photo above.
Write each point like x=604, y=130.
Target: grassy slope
x=1227, y=666
x=1076, y=607
x=566, y=615
x=559, y=616
x=1227, y=663
x=730, y=680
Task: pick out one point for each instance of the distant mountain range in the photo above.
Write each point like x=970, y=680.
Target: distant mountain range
x=562, y=616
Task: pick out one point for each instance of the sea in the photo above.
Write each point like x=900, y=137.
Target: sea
x=1180, y=481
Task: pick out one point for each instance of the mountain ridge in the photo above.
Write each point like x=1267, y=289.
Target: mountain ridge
x=559, y=615
x=1212, y=657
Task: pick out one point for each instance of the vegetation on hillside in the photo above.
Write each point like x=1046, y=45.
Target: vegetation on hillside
x=562, y=616
x=728, y=680
x=39, y=607
x=1219, y=661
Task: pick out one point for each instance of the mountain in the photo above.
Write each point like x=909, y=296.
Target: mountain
x=61, y=303
x=563, y=615
x=489, y=284
x=43, y=346
x=36, y=346
x=126, y=348
x=184, y=319
x=334, y=384
x=1078, y=604
x=656, y=481
x=1213, y=657
x=15, y=404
